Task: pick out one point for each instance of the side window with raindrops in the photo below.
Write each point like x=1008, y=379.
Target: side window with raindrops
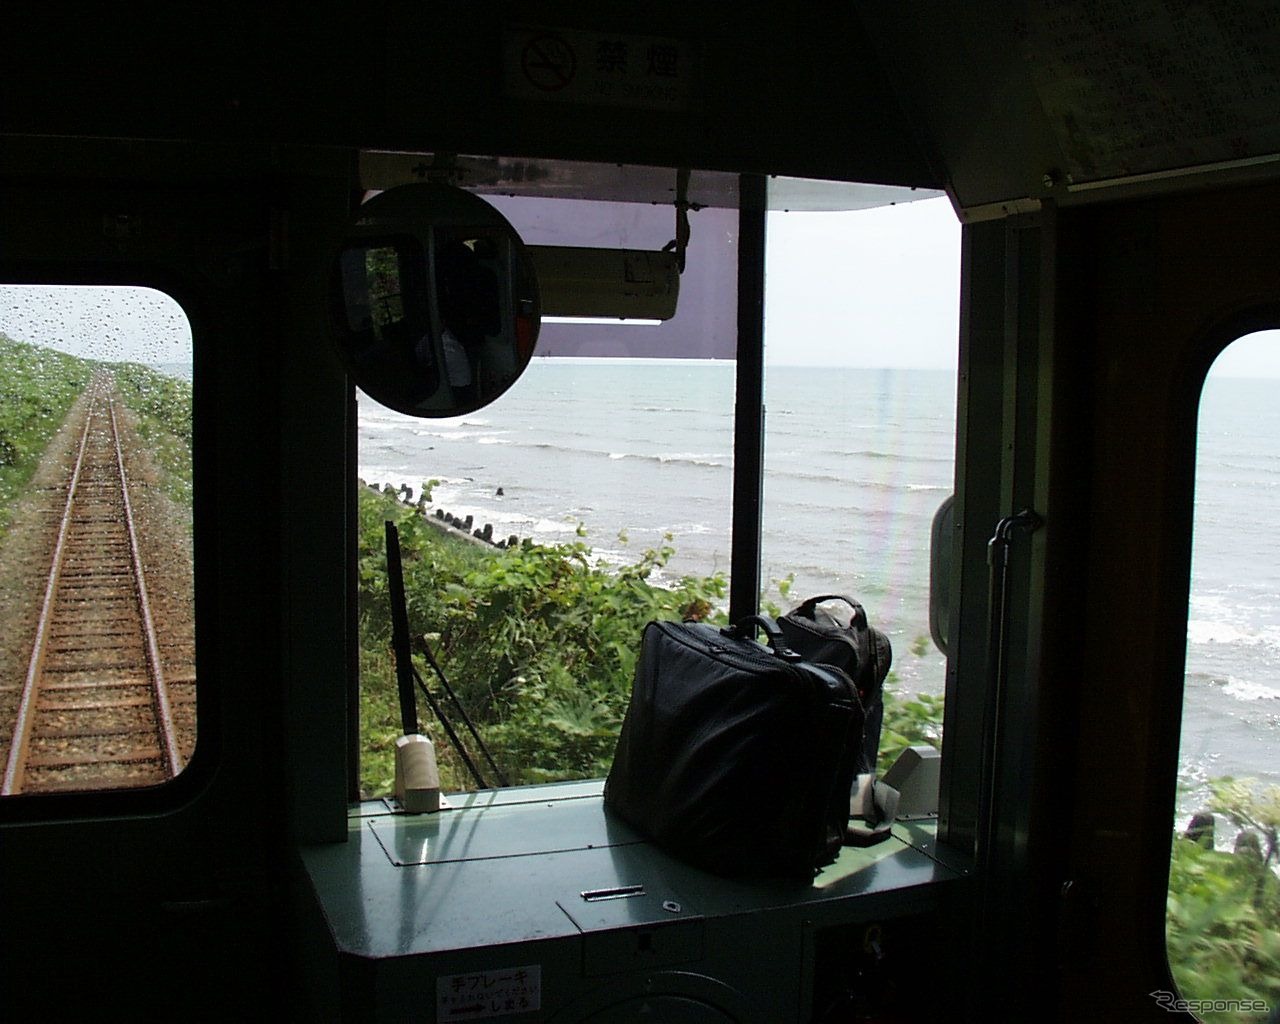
x=97, y=657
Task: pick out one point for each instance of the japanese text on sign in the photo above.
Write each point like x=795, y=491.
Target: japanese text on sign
x=484, y=994
x=595, y=68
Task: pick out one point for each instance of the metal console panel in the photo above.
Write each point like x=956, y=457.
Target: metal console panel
x=544, y=907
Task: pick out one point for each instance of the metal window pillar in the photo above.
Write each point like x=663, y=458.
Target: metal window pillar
x=748, y=419
x=993, y=785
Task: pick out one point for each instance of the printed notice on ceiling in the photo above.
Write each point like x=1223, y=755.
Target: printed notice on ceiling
x=571, y=66
x=1135, y=86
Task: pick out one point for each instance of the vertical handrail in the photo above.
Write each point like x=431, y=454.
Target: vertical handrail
x=997, y=643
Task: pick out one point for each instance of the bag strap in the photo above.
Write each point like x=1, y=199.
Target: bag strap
x=858, y=636
x=741, y=630
x=806, y=609
x=873, y=808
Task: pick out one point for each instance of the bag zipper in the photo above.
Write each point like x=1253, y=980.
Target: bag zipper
x=681, y=633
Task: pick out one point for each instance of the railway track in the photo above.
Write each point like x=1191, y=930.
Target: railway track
x=96, y=710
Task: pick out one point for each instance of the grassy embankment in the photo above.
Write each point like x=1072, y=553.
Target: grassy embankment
x=162, y=407
x=40, y=385
x=538, y=642
x=37, y=389
x=1223, y=909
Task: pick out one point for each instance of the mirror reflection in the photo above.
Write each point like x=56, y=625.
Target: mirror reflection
x=437, y=304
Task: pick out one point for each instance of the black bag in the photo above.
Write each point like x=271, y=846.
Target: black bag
x=861, y=650
x=734, y=756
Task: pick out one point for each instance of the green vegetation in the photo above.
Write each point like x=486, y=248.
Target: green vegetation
x=37, y=388
x=908, y=722
x=1223, y=919
x=538, y=642
x=163, y=407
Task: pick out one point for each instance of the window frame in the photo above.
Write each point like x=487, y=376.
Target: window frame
x=206, y=751
x=1206, y=345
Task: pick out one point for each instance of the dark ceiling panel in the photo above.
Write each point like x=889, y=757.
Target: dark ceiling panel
x=1063, y=99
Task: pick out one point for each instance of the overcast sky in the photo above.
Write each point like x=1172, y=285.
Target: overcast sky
x=865, y=288
x=113, y=324
x=1254, y=355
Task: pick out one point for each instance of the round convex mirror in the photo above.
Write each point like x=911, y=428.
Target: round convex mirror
x=434, y=301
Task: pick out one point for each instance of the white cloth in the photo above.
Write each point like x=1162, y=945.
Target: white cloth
x=457, y=365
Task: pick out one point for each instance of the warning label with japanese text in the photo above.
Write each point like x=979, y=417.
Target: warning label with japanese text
x=485, y=994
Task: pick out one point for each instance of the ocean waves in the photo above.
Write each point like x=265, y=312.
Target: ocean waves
x=608, y=452
x=1236, y=687
x=856, y=464
x=1243, y=689
x=856, y=483
x=568, y=449
x=710, y=460
x=1227, y=633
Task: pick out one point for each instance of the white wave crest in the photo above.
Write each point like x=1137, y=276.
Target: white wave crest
x=688, y=458
x=1215, y=631
x=1242, y=689
x=1201, y=631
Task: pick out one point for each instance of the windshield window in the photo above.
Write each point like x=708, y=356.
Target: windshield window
x=861, y=348
x=542, y=532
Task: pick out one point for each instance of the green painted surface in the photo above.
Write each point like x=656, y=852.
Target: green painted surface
x=511, y=867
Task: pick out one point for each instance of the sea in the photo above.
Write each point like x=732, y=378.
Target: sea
x=630, y=454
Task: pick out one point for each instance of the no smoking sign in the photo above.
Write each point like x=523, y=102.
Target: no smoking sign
x=565, y=65
x=548, y=62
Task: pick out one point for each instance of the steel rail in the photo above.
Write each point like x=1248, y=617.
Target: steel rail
x=98, y=476
x=160, y=691
x=15, y=768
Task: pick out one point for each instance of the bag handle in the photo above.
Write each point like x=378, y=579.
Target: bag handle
x=773, y=632
x=806, y=609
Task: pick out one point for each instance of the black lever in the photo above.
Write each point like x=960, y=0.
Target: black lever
x=406, y=675
x=400, y=633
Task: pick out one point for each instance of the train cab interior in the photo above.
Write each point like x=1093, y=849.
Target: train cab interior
x=1110, y=176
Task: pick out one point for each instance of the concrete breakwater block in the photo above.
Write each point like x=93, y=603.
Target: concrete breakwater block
x=466, y=526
